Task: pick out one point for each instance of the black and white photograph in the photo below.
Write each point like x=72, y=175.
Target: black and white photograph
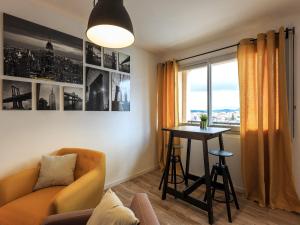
x=38, y=52
x=47, y=97
x=17, y=95
x=120, y=87
x=110, y=58
x=124, y=62
x=93, y=54
x=73, y=99
x=97, y=90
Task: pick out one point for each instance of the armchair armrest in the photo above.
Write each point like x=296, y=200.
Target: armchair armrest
x=17, y=185
x=71, y=218
x=143, y=210
x=84, y=193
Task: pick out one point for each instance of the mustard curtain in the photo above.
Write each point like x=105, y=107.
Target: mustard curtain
x=265, y=135
x=167, y=106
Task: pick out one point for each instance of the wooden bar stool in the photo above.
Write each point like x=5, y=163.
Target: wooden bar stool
x=175, y=158
x=221, y=169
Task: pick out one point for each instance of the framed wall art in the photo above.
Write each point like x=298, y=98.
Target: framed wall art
x=37, y=52
x=120, y=86
x=97, y=90
x=73, y=99
x=17, y=95
x=47, y=97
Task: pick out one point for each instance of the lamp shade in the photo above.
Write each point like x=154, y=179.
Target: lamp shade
x=109, y=25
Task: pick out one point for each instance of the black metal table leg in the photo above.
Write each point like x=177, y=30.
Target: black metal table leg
x=187, y=166
x=175, y=174
x=162, y=179
x=212, y=176
x=207, y=182
x=166, y=177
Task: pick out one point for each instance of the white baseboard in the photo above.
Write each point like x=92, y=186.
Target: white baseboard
x=122, y=180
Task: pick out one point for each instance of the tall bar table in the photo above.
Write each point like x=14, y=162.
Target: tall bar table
x=193, y=133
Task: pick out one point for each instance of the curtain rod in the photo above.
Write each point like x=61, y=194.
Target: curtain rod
x=287, y=30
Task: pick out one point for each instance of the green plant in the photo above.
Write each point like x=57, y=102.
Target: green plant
x=203, y=117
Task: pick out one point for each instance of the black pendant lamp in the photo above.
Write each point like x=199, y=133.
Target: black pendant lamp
x=110, y=25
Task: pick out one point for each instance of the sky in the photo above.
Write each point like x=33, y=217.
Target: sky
x=225, y=88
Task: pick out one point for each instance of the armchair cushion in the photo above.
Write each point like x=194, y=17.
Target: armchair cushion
x=111, y=211
x=30, y=209
x=56, y=170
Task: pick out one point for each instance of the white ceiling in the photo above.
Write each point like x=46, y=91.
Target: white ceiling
x=166, y=25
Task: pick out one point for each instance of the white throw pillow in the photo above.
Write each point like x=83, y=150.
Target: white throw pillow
x=56, y=170
x=111, y=211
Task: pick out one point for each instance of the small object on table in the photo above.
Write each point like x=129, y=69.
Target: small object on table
x=196, y=133
x=203, y=121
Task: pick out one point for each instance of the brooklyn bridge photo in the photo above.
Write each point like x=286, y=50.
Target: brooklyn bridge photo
x=35, y=51
x=73, y=99
x=17, y=95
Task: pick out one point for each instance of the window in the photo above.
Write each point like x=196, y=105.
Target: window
x=196, y=93
x=212, y=88
x=225, y=99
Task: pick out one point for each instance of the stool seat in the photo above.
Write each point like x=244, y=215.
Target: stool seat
x=221, y=153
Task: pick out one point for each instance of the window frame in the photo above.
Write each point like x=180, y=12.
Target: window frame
x=208, y=63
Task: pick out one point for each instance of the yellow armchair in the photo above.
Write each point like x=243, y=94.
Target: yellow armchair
x=20, y=205
x=13, y=187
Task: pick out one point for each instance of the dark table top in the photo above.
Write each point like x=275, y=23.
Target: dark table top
x=198, y=130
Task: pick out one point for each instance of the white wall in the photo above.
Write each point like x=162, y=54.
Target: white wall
x=232, y=142
x=127, y=138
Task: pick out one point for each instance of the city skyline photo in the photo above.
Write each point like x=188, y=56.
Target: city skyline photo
x=35, y=51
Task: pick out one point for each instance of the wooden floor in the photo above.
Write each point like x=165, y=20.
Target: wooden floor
x=175, y=212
